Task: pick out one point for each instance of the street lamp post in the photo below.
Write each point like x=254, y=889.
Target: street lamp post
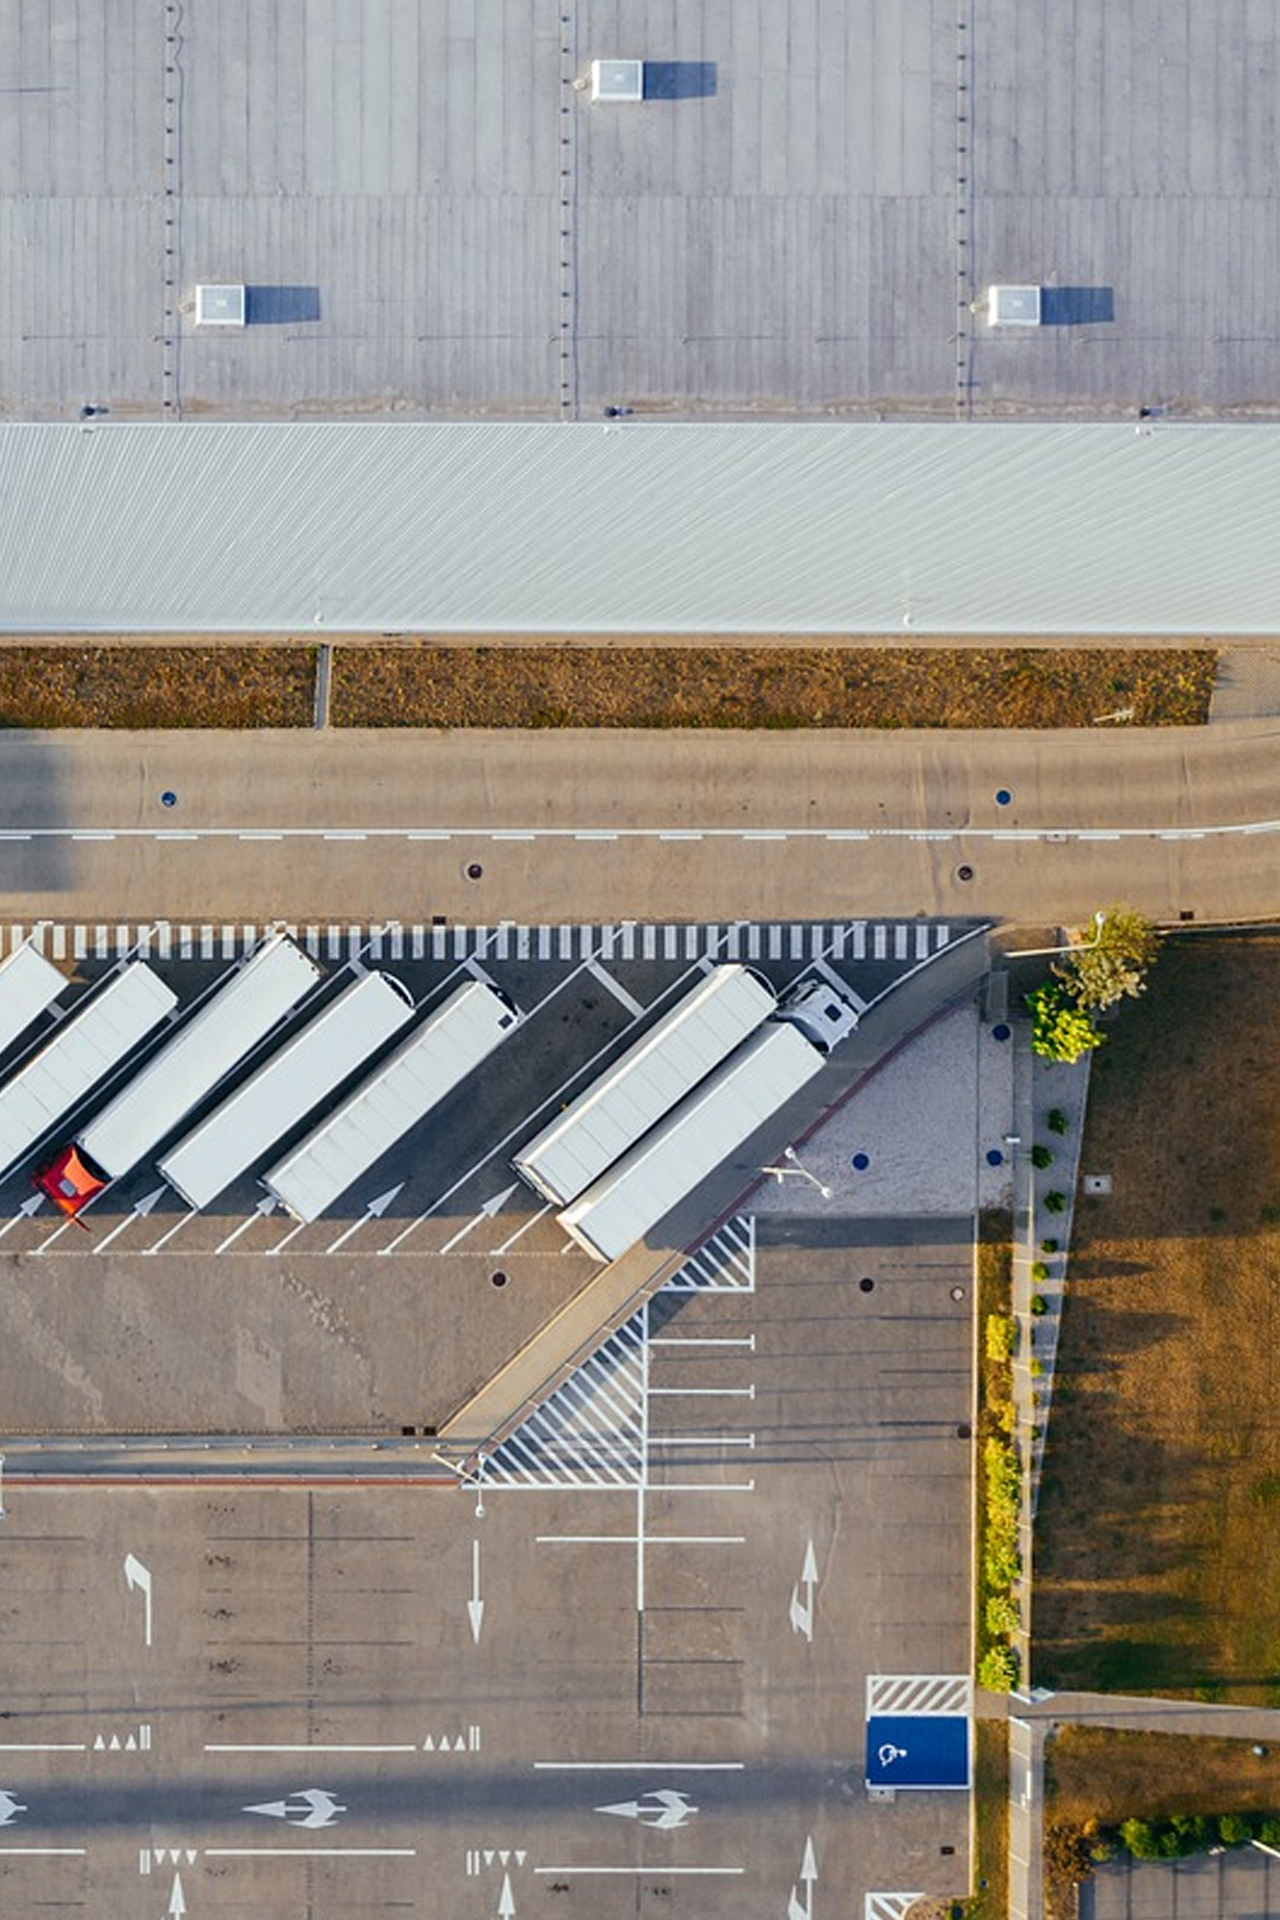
x=797, y=1172
x=1072, y=946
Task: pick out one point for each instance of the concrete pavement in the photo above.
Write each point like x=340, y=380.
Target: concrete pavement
x=580, y=826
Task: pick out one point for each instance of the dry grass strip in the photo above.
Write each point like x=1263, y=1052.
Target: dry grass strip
x=150, y=687
x=1157, y=1544
x=423, y=684
x=490, y=686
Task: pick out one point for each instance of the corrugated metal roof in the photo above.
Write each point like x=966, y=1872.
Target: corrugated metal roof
x=640, y=527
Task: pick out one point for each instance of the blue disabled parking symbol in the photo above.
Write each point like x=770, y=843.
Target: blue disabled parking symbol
x=918, y=1750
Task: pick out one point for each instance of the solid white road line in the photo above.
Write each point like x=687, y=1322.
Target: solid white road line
x=305, y=1746
x=660, y=1872
x=639, y=1766
x=311, y=1853
x=633, y=1539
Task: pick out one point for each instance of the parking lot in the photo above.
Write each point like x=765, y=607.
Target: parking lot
x=624, y=1663
x=431, y=1270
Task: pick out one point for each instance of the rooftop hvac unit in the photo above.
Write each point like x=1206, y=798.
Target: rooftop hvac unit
x=1013, y=306
x=617, y=79
x=219, y=306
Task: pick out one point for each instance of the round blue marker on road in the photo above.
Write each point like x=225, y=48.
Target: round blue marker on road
x=168, y=798
x=994, y=1157
x=1003, y=796
x=1001, y=1030
x=860, y=1162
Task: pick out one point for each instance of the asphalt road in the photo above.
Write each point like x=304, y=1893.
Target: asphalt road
x=581, y=827
x=351, y=1700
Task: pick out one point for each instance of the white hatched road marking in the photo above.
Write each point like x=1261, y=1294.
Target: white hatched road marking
x=593, y=1430
x=919, y=1694
x=726, y=1263
x=889, y=1906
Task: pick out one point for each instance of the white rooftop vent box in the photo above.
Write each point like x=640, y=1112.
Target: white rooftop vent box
x=617, y=79
x=1013, y=306
x=220, y=306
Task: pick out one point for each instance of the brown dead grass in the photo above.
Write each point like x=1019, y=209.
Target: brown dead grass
x=422, y=684
x=655, y=686
x=1107, y=1774
x=1158, y=1552
x=148, y=687
x=1101, y=1776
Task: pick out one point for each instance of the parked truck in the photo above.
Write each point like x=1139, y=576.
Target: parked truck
x=287, y=1089
x=710, y=1123
x=235, y=1019
x=99, y=1036
x=400, y=1092
x=646, y=1082
x=29, y=985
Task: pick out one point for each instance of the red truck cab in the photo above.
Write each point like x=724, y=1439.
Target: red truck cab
x=69, y=1181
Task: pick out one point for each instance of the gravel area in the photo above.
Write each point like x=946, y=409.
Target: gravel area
x=926, y=1120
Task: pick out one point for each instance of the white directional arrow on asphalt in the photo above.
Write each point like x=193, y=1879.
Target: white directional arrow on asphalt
x=24, y=1212
x=506, y=1902
x=307, y=1807
x=138, y=1576
x=802, y=1608
x=374, y=1211
x=141, y=1208
x=266, y=1205
x=177, y=1902
x=665, y=1807
x=9, y=1808
x=798, y=1908
x=475, y=1605
x=487, y=1210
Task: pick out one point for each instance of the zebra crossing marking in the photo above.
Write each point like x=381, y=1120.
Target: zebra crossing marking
x=802, y=942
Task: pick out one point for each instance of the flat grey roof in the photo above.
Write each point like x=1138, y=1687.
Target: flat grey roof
x=431, y=219
x=632, y=527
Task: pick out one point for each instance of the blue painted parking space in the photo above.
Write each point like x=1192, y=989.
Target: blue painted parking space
x=918, y=1750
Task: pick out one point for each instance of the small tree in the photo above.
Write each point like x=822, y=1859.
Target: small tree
x=1114, y=964
x=1060, y=1029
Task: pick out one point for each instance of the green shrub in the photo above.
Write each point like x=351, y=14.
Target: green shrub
x=1049, y=1246
x=1001, y=1615
x=998, y=1670
x=1035, y=1367
x=1041, y=1156
x=1056, y=1120
x=1269, y=1830
x=1001, y=1566
x=1039, y=1304
x=1002, y=1336
x=1039, y=1270
x=1055, y=1202
x=1234, y=1829
x=1139, y=1837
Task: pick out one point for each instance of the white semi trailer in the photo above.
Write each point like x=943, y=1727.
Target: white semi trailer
x=649, y=1079
x=29, y=985
x=401, y=1091
x=234, y=1020
x=83, y=1050
x=708, y=1126
x=289, y=1087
